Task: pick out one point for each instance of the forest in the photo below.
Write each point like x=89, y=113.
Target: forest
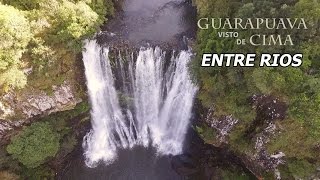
x=229, y=89
x=41, y=35
x=39, y=45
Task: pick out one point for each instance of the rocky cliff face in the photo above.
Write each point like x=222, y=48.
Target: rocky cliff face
x=19, y=109
x=256, y=158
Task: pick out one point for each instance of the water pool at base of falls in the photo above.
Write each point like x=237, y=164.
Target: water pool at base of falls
x=137, y=163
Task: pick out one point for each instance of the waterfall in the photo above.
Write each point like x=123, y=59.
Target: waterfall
x=136, y=100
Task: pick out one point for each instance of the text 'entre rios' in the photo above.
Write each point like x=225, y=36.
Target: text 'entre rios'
x=248, y=60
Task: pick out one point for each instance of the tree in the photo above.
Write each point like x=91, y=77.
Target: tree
x=15, y=35
x=34, y=144
x=43, y=34
x=23, y=4
x=13, y=77
x=76, y=22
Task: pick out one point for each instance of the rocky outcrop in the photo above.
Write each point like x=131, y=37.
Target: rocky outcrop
x=258, y=160
x=222, y=125
x=19, y=109
x=268, y=162
x=63, y=98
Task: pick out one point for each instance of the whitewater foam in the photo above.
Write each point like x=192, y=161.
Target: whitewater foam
x=158, y=102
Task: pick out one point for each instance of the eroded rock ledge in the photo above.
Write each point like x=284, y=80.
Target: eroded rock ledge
x=17, y=110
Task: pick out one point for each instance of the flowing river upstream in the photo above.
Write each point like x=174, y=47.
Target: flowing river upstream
x=141, y=99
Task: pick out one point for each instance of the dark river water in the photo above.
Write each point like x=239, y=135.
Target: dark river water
x=152, y=21
x=136, y=164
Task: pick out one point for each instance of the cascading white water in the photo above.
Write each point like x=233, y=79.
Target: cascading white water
x=162, y=98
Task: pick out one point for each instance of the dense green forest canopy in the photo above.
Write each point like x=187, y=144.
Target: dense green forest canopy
x=229, y=88
x=40, y=34
x=34, y=144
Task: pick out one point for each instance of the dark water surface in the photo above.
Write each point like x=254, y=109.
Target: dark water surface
x=136, y=164
x=153, y=21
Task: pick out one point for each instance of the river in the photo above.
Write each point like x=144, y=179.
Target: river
x=141, y=99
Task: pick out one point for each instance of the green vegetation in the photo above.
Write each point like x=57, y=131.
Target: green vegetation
x=15, y=34
x=40, y=41
x=206, y=133
x=229, y=88
x=34, y=144
x=300, y=168
x=231, y=175
x=45, y=35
